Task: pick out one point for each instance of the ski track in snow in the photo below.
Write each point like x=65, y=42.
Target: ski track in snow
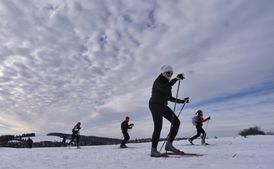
x=254, y=152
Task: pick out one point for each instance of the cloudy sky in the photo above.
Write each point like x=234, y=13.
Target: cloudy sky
x=64, y=61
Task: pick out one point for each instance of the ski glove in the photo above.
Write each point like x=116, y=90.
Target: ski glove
x=180, y=76
x=208, y=118
x=186, y=100
x=130, y=126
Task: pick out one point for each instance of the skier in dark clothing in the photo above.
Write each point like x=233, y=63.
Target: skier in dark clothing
x=64, y=140
x=158, y=105
x=199, y=127
x=30, y=142
x=124, y=127
x=76, y=134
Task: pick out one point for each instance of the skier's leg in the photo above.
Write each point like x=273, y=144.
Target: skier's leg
x=203, y=135
x=157, y=111
x=170, y=115
x=77, y=140
x=124, y=140
x=197, y=135
x=127, y=137
x=72, y=139
x=157, y=115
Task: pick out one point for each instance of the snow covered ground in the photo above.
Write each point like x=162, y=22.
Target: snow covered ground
x=254, y=152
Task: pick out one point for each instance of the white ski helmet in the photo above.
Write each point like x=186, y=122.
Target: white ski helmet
x=167, y=71
x=166, y=68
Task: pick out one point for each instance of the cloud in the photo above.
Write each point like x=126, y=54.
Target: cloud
x=95, y=61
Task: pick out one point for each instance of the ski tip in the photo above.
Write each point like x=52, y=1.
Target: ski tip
x=180, y=154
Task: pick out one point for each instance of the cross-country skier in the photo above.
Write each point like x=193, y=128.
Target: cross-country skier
x=64, y=140
x=124, y=127
x=30, y=142
x=199, y=127
x=76, y=134
x=158, y=105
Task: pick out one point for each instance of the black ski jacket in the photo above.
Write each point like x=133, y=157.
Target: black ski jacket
x=161, y=91
x=76, y=130
x=125, y=126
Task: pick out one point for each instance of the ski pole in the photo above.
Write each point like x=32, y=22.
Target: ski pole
x=181, y=109
x=171, y=125
x=206, y=125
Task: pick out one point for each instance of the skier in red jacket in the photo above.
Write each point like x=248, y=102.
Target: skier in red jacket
x=199, y=126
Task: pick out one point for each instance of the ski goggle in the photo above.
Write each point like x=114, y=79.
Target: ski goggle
x=169, y=73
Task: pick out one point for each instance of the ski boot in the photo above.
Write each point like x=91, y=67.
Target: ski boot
x=155, y=153
x=123, y=146
x=190, y=141
x=204, y=143
x=169, y=147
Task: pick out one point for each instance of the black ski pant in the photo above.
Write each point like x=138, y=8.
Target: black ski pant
x=75, y=136
x=158, y=112
x=200, y=131
x=126, y=138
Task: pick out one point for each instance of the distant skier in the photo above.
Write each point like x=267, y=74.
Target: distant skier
x=76, y=134
x=124, y=127
x=158, y=105
x=29, y=142
x=198, y=122
x=64, y=140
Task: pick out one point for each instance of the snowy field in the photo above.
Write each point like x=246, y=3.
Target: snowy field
x=254, y=152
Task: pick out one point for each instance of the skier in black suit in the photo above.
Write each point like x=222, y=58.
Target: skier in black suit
x=158, y=105
x=124, y=127
x=76, y=134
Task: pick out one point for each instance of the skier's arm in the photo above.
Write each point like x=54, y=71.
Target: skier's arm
x=130, y=126
x=186, y=100
x=173, y=81
x=204, y=120
x=208, y=118
x=173, y=99
x=178, y=77
x=162, y=85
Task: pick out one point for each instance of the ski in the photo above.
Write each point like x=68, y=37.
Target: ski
x=199, y=144
x=180, y=154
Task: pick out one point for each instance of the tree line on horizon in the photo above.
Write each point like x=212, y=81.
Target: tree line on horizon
x=20, y=141
x=254, y=131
